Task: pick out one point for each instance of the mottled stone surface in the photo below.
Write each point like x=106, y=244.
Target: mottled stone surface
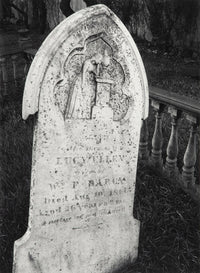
x=88, y=85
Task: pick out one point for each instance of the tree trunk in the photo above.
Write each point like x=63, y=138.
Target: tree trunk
x=37, y=15
x=6, y=8
x=54, y=13
x=176, y=22
x=133, y=13
x=139, y=22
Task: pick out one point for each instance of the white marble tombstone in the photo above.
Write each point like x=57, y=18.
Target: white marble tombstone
x=88, y=85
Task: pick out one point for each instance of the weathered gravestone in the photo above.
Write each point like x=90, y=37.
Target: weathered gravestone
x=88, y=85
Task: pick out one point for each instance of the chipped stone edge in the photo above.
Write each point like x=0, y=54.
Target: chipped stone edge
x=49, y=46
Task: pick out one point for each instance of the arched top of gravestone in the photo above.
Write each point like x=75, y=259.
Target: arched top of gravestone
x=72, y=38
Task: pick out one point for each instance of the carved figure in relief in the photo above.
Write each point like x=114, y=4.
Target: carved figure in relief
x=84, y=70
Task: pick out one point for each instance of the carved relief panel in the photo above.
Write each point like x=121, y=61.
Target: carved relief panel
x=92, y=76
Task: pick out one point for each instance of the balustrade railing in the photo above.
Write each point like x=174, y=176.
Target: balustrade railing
x=181, y=110
x=178, y=108
x=14, y=66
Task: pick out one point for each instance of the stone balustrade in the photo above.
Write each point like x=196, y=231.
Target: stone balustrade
x=14, y=67
x=180, y=109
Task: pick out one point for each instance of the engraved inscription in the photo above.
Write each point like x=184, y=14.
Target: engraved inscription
x=101, y=198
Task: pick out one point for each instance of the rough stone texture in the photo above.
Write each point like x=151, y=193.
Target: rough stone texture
x=88, y=85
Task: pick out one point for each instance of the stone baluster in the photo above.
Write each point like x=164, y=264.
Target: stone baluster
x=29, y=55
x=4, y=75
x=172, y=148
x=144, y=135
x=28, y=60
x=1, y=81
x=14, y=64
x=190, y=156
x=26, y=65
x=157, y=140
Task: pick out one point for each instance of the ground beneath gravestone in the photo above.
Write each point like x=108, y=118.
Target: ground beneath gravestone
x=169, y=235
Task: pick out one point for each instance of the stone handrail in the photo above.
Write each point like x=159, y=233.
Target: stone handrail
x=180, y=102
x=178, y=107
